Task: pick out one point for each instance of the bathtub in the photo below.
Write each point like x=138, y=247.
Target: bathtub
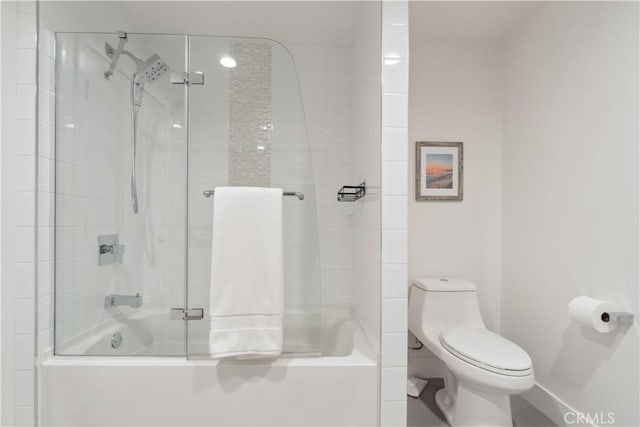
x=337, y=388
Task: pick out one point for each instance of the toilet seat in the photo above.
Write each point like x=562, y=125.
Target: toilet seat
x=486, y=350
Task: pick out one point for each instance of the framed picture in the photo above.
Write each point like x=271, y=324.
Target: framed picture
x=438, y=170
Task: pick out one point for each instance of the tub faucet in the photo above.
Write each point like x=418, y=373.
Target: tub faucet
x=134, y=301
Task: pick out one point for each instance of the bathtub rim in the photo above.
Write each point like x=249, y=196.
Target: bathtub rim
x=361, y=354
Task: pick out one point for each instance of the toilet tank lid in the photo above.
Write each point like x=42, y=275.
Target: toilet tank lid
x=444, y=284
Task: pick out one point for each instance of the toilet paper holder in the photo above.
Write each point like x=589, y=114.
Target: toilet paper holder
x=622, y=317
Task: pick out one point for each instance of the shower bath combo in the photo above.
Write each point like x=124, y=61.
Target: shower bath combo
x=190, y=139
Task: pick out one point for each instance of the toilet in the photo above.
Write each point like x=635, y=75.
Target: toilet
x=481, y=368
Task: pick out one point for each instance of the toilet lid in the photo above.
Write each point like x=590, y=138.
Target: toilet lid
x=487, y=350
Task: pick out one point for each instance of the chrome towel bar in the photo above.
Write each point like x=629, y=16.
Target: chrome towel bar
x=300, y=196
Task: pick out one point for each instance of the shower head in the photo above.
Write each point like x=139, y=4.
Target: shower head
x=146, y=71
x=149, y=70
x=152, y=69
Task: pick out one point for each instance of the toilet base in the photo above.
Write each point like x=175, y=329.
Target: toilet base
x=473, y=407
x=445, y=403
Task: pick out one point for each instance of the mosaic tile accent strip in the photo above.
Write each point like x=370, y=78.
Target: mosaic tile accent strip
x=250, y=115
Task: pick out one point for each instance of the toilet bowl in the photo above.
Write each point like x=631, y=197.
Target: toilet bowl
x=481, y=368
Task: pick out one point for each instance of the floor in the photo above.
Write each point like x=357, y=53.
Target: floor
x=423, y=411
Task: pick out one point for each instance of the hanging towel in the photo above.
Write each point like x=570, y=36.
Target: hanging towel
x=247, y=273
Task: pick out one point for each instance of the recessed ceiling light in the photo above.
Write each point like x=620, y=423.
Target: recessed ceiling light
x=176, y=125
x=228, y=62
x=260, y=147
x=70, y=126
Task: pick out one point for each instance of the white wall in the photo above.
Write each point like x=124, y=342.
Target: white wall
x=366, y=167
x=570, y=202
x=395, y=86
x=19, y=256
x=455, y=97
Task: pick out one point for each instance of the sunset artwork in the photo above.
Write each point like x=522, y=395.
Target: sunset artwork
x=439, y=169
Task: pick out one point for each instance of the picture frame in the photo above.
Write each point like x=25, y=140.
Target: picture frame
x=439, y=171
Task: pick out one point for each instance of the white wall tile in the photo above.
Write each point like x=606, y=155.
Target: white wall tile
x=45, y=342
x=393, y=384
x=25, y=316
x=394, y=178
x=24, y=387
x=395, y=41
x=26, y=65
x=395, y=109
x=394, y=281
x=394, y=349
x=46, y=107
x=395, y=13
x=394, y=144
x=25, y=244
x=24, y=352
x=46, y=207
x=46, y=78
x=45, y=278
x=393, y=414
x=26, y=143
x=46, y=140
x=25, y=209
x=46, y=175
x=26, y=37
x=394, y=315
x=395, y=75
x=45, y=313
x=47, y=42
x=26, y=168
x=25, y=416
x=24, y=280
x=26, y=103
x=394, y=212
x=25, y=6
x=394, y=246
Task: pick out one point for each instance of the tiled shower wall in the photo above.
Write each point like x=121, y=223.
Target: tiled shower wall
x=395, y=83
x=19, y=257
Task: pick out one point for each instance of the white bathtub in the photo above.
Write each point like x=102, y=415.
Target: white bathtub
x=339, y=388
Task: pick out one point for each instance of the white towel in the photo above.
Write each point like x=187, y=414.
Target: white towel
x=247, y=273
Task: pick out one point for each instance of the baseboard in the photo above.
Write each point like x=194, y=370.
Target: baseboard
x=550, y=404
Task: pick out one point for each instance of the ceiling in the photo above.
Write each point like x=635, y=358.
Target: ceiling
x=485, y=22
x=304, y=21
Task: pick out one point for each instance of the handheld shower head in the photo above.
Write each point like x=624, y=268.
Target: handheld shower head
x=153, y=68
x=147, y=71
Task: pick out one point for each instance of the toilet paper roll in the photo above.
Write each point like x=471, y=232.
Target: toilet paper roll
x=588, y=311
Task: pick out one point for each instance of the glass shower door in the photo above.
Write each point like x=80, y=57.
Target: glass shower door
x=117, y=272
x=247, y=128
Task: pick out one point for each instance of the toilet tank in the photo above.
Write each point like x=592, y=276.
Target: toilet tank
x=437, y=303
